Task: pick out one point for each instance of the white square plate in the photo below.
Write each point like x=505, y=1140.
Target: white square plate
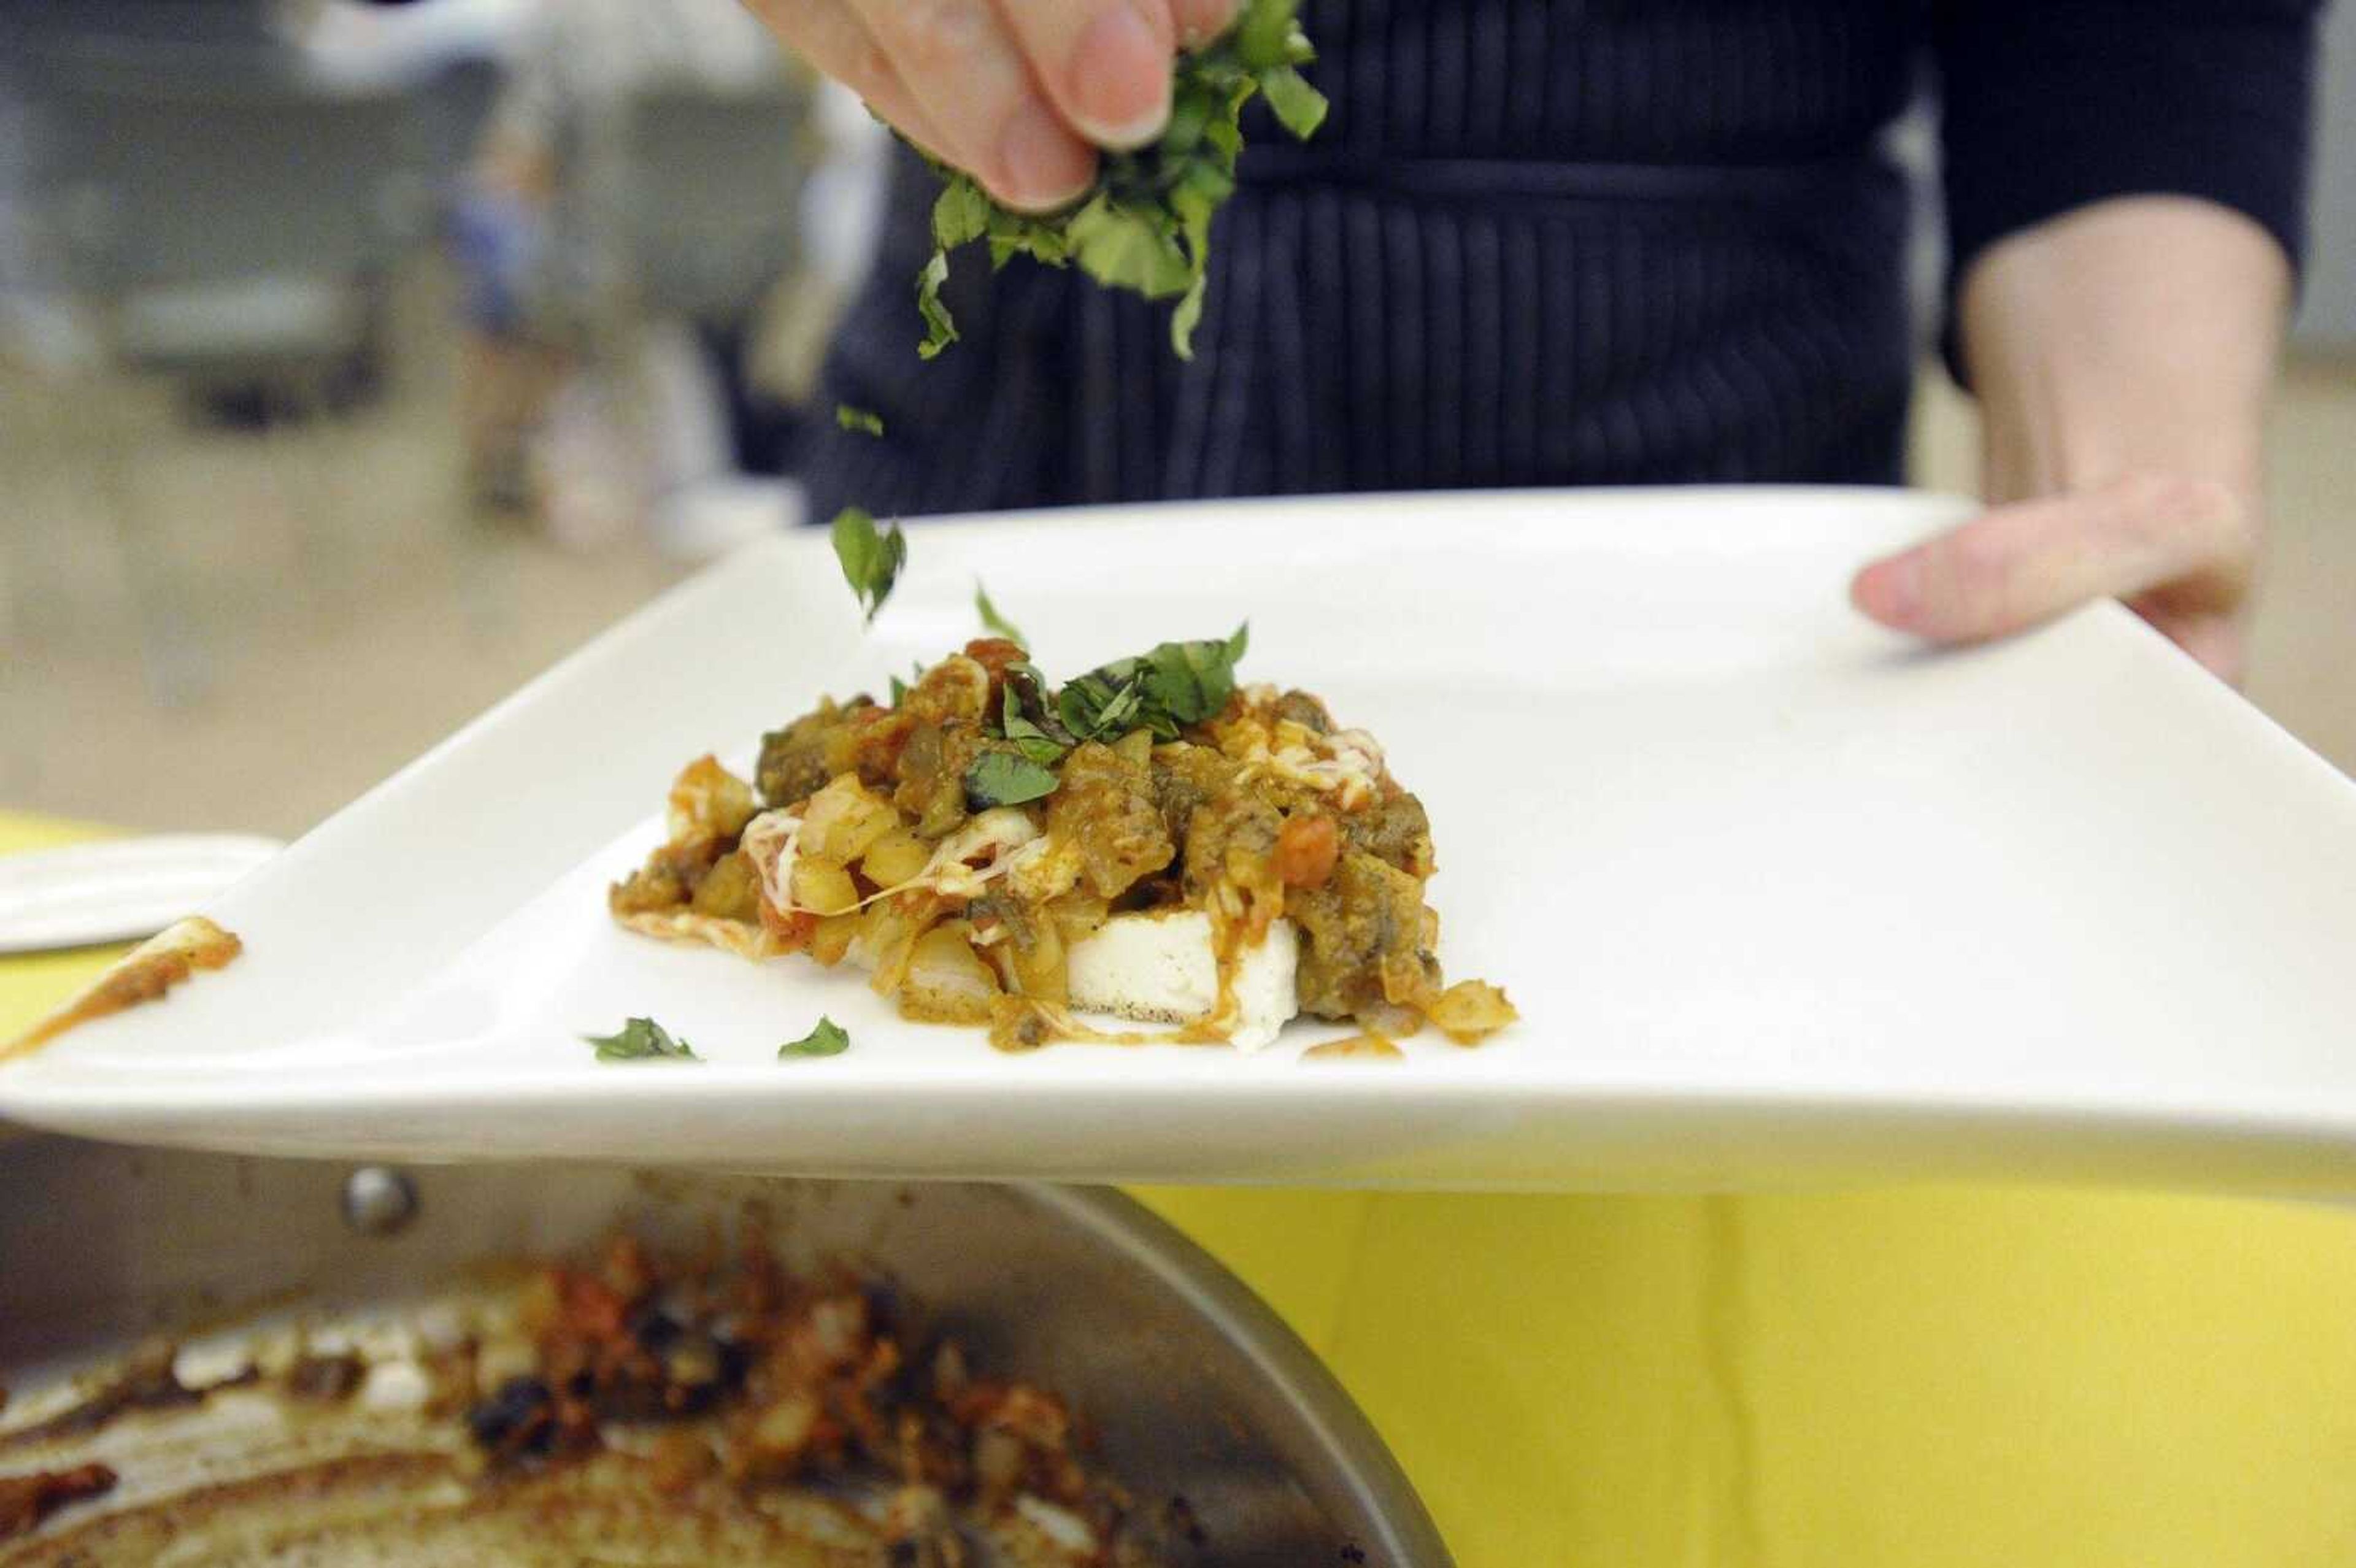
x=1780, y=897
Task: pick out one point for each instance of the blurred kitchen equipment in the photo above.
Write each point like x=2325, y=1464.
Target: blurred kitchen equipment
x=118, y=889
x=1197, y=1390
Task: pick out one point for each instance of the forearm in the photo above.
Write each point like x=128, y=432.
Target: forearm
x=2134, y=335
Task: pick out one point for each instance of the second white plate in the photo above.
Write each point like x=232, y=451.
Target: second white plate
x=1781, y=897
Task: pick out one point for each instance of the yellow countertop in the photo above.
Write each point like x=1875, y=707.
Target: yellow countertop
x=1911, y=1379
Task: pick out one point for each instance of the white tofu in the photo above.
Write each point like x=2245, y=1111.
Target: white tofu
x=1160, y=968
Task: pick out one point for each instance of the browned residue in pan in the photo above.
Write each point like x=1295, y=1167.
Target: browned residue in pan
x=27, y=1500
x=142, y=975
x=401, y=1509
x=146, y=1382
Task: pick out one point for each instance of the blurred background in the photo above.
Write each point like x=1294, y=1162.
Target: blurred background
x=356, y=363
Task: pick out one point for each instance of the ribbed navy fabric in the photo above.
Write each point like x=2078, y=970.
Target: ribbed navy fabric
x=1538, y=243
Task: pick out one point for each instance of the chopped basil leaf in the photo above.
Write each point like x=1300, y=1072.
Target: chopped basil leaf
x=828, y=1039
x=1006, y=778
x=1299, y=108
x=1119, y=716
x=994, y=621
x=1097, y=706
x=641, y=1040
x=853, y=419
x=900, y=688
x=1035, y=703
x=871, y=558
x=961, y=214
x=1145, y=225
x=1029, y=738
x=940, y=327
x=1175, y=685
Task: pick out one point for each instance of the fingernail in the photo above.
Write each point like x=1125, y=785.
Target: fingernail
x=1044, y=165
x=1120, y=79
x=1891, y=590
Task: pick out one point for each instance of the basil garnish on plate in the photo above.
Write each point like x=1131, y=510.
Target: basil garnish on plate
x=830, y=1038
x=641, y=1040
x=1176, y=685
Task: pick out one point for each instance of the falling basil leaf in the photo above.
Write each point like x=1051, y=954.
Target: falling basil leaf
x=1145, y=224
x=871, y=558
x=853, y=419
x=828, y=1039
x=641, y=1040
x=993, y=620
x=940, y=327
x=1299, y=108
x=1006, y=778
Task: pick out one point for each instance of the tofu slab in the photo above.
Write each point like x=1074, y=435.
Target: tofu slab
x=1160, y=968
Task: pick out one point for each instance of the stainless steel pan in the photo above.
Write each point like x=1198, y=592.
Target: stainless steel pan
x=1197, y=1390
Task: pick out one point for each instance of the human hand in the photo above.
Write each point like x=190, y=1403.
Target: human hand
x=1018, y=93
x=2122, y=354
x=2179, y=551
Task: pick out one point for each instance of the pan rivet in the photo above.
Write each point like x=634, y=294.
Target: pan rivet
x=378, y=1200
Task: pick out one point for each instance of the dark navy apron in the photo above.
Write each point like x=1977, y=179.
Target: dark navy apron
x=1650, y=241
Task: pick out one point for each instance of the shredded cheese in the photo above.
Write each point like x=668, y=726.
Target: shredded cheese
x=1005, y=835
x=1347, y=766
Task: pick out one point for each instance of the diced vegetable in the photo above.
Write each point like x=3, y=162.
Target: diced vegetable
x=823, y=888
x=887, y=932
x=946, y=981
x=956, y=689
x=843, y=820
x=1136, y=748
x=1028, y=949
x=1306, y=850
x=831, y=942
x=897, y=857
x=1471, y=1010
x=707, y=801
x=1105, y=808
x=731, y=891
x=1079, y=916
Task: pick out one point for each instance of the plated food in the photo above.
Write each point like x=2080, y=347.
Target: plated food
x=1152, y=842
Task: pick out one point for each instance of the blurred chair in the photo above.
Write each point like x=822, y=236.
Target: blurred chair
x=451, y=109
x=686, y=210
x=709, y=187
x=212, y=217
